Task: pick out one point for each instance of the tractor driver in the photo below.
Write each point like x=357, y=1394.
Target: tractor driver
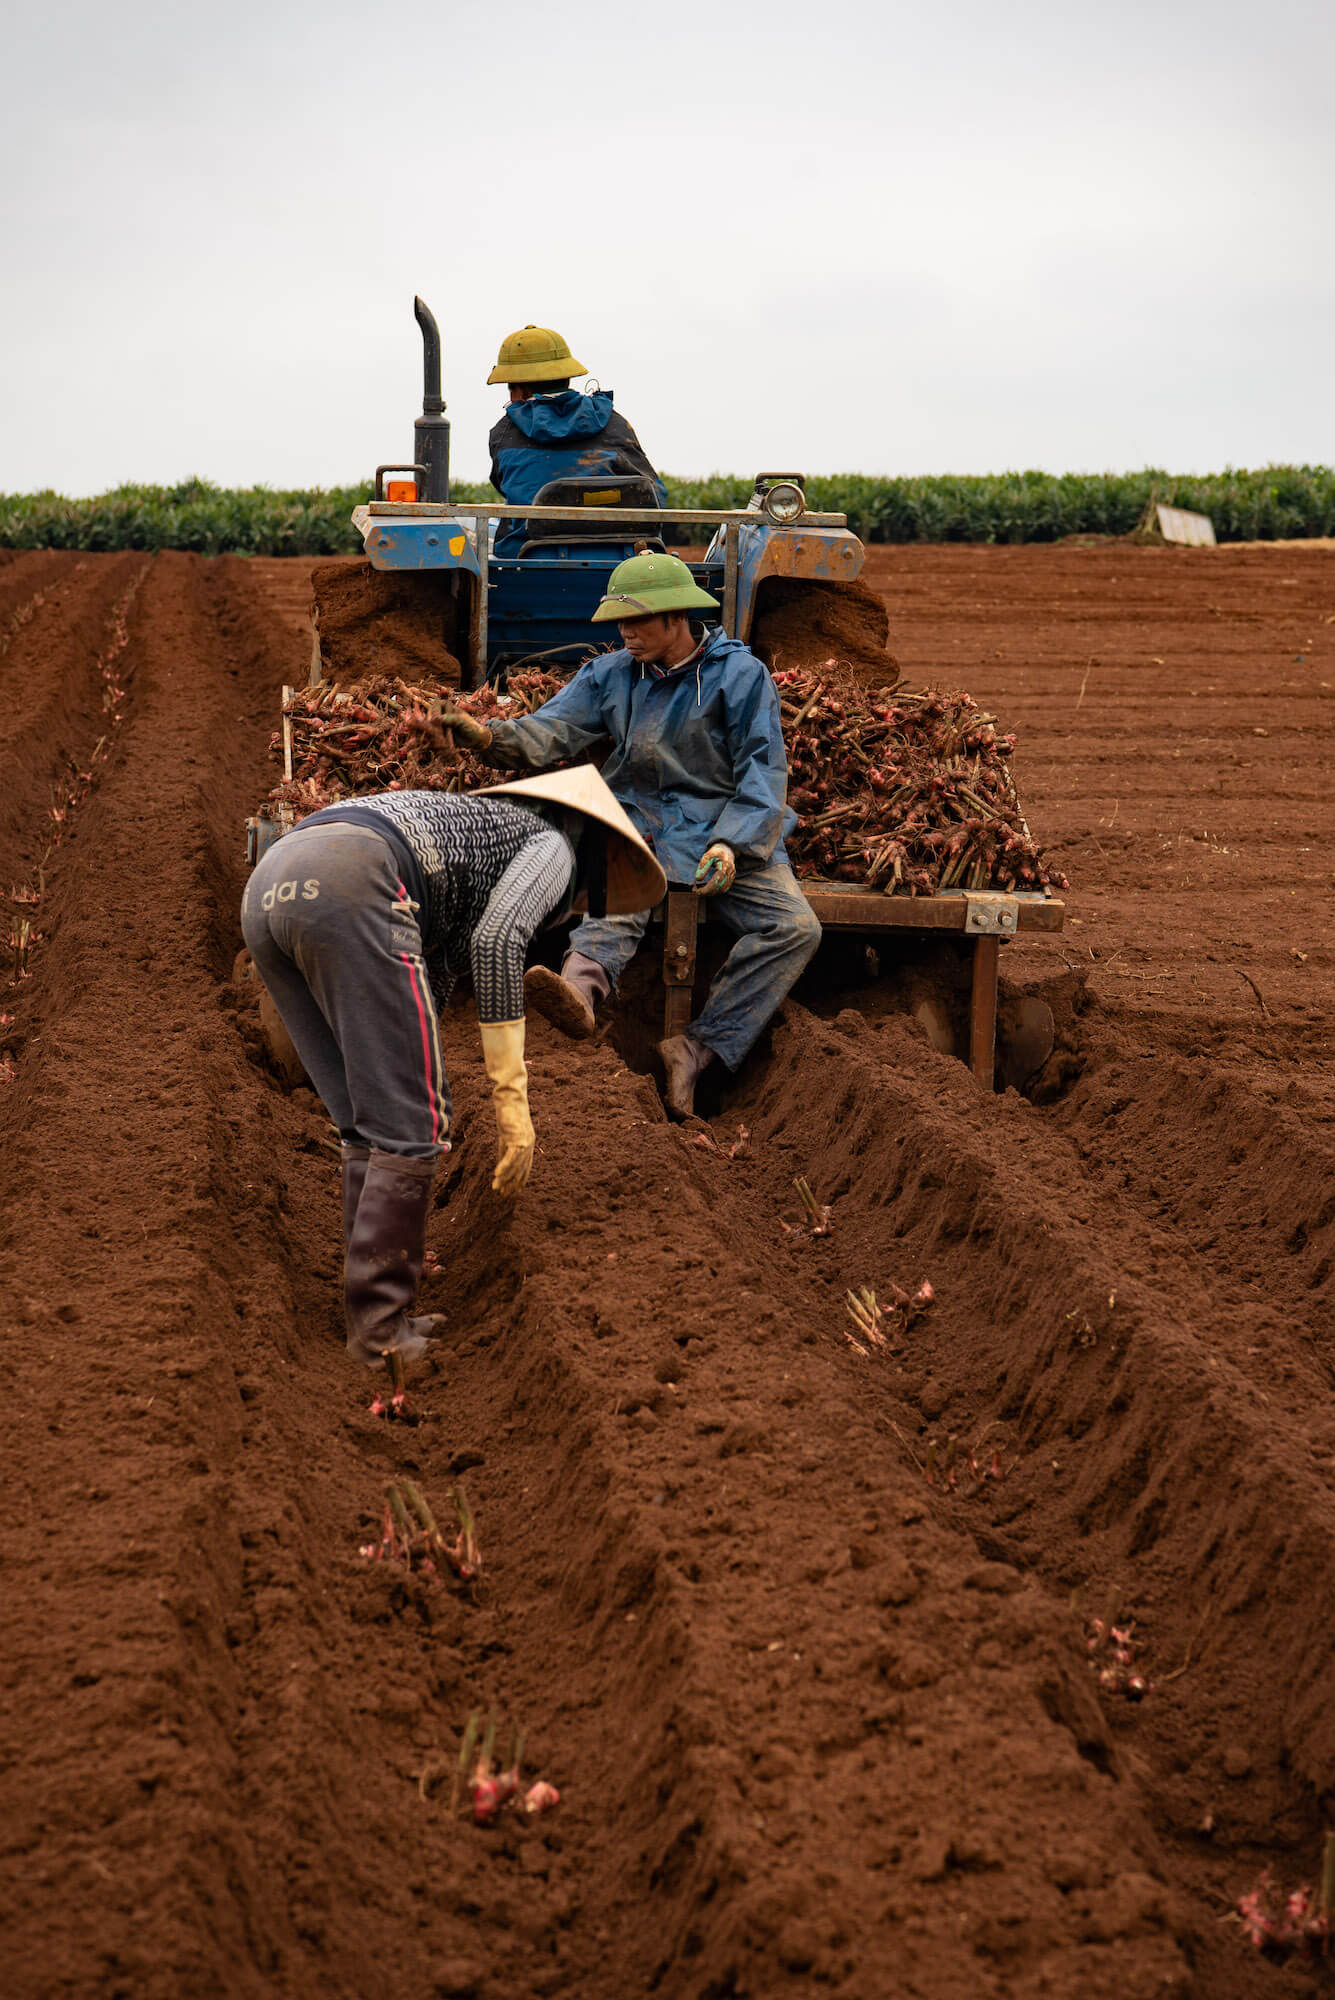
x=550, y=429
x=697, y=760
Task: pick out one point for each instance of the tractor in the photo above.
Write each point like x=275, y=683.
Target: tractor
x=534, y=607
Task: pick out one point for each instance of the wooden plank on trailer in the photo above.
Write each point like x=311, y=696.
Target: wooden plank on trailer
x=852, y=908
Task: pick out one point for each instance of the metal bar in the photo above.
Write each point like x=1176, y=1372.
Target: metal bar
x=730, y=543
x=408, y=510
x=680, y=918
x=483, y=572
x=983, y=1011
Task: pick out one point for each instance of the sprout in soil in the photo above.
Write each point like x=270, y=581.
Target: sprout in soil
x=1112, y=1657
x=1299, y=1923
x=739, y=1148
x=490, y=1790
x=869, y=1320
x=960, y=1468
x=818, y=1213
x=881, y=1326
x=394, y=1407
x=21, y=939
x=411, y=1536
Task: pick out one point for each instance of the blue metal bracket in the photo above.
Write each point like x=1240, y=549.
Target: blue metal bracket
x=419, y=544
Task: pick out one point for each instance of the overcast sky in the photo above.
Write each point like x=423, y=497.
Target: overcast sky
x=885, y=238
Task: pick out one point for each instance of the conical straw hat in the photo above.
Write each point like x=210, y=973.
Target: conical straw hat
x=634, y=879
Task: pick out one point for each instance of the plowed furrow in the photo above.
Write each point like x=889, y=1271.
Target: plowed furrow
x=1240, y=1188
x=1068, y=1329
x=726, y=1548
x=25, y=580
x=120, y=1744
x=52, y=690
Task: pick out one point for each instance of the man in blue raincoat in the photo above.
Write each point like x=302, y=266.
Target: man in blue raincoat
x=550, y=431
x=697, y=760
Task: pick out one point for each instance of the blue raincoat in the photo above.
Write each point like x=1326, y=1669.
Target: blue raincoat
x=551, y=437
x=697, y=752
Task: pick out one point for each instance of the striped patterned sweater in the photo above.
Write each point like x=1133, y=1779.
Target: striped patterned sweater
x=483, y=874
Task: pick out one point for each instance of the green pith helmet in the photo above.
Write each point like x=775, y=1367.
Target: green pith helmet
x=535, y=354
x=646, y=586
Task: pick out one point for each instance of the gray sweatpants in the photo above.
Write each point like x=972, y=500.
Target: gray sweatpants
x=335, y=939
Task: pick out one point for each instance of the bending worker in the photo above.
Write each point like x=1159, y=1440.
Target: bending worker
x=357, y=921
x=697, y=759
x=550, y=430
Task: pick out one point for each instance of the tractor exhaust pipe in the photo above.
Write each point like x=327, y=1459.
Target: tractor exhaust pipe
x=431, y=431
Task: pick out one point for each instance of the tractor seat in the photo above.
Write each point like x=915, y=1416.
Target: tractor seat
x=588, y=491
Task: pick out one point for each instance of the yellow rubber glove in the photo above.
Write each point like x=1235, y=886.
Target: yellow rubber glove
x=717, y=871
x=474, y=735
x=503, y=1053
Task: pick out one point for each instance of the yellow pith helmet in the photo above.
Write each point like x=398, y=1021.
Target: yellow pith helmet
x=535, y=354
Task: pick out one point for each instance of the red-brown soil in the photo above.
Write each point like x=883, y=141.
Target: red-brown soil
x=374, y=621
x=820, y=1725
x=805, y=624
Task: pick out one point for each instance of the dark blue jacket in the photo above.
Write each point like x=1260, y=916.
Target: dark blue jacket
x=697, y=753
x=552, y=436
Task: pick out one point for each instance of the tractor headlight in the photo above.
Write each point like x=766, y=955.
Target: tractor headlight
x=784, y=502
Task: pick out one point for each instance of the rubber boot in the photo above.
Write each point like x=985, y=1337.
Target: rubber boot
x=568, y=1001
x=355, y=1159
x=683, y=1061
x=382, y=1267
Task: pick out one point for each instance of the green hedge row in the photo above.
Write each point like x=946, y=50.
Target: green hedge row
x=1273, y=504
x=211, y=520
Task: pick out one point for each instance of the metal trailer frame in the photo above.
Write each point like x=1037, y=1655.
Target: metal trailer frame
x=408, y=535
x=986, y=917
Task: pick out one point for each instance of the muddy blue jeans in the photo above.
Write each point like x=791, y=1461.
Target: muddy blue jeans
x=776, y=937
x=335, y=939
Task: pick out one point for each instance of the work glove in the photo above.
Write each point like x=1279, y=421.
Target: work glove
x=474, y=735
x=503, y=1054
x=717, y=871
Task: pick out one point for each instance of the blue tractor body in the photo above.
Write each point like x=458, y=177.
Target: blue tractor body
x=528, y=606
x=538, y=605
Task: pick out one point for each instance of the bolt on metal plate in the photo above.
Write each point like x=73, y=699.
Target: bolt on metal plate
x=990, y=914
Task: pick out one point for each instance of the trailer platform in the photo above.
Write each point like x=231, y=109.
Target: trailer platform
x=987, y=918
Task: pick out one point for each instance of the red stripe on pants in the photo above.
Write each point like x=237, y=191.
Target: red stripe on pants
x=426, y=1049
